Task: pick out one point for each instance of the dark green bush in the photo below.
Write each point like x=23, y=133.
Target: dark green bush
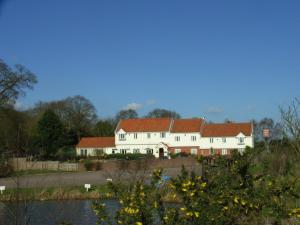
x=88, y=164
x=129, y=156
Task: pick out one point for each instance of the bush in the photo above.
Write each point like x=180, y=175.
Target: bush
x=66, y=153
x=129, y=156
x=88, y=164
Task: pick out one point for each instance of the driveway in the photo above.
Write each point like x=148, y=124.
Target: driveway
x=81, y=178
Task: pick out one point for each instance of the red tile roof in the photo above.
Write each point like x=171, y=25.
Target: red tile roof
x=96, y=142
x=145, y=125
x=227, y=129
x=186, y=125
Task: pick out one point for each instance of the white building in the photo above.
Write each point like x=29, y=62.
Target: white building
x=163, y=136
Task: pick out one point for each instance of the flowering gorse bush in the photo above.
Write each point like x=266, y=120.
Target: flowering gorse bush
x=228, y=192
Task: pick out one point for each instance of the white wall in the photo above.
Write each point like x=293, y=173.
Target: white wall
x=231, y=142
x=92, y=151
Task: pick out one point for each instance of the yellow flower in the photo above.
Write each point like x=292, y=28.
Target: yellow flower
x=243, y=202
x=197, y=214
x=203, y=185
x=139, y=223
x=236, y=199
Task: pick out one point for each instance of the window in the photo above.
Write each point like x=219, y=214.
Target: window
x=162, y=135
x=123, y=151
x=241, y=140
x=99, y=151
x=136, y=150
x=148, y=135
x=211, y=140
x=113, y=151
x=81, y=152
x=177, y=150
x=135, y=135
x=121, y=137
x=224, y=151
x=193, y=138
x=224, y=139
x=85, y=152
x=177, y=138
x=149, y=151
x=194, y=151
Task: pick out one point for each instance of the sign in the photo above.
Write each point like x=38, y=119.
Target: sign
x=266, y=133
x=2, y=188
x=87, y=187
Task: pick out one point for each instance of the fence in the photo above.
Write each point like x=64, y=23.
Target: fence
x=19, y=164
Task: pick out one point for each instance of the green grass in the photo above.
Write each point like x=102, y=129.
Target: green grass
x=37, y=172
x=56, y=193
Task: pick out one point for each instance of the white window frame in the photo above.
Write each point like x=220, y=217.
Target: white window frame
x=224, y=151
x=122, y=137
x=241, y=140
x=177, y=150
x=136, y=150
x=135, y=135
x=177, y=138
x=193, y=138
x=162, y=135
x=224, y=140
x=194, y=151
x=148, y=135
x=211, y=140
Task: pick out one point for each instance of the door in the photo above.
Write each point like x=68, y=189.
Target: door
x=161, y=153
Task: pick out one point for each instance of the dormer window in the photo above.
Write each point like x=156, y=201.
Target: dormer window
x=241, y=140
x=122, y=137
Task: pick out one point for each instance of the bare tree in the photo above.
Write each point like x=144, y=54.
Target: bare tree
x=290, y=120
x=14, y=81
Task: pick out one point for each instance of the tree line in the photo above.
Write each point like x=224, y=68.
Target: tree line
x=50, y=130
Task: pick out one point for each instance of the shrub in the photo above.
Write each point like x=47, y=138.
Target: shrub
x=129, y=156
x=88, y=164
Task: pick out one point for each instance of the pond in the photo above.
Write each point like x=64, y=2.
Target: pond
x=77, y=212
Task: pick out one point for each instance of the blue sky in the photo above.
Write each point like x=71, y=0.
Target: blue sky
x=219, y=59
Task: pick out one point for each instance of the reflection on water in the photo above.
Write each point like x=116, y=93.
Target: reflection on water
x=77, y=212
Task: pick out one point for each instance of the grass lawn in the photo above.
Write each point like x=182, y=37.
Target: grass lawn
x=37, y=172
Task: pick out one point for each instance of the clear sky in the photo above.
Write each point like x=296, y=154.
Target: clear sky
x=219, y=59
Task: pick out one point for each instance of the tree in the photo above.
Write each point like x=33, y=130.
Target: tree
x=274, y=127
x=50, y=133
x=13, y=131
x=163, y=113
x=104, y=128
x=126, y=114
x=290, y=121
x=13, y=82
x=80, y=115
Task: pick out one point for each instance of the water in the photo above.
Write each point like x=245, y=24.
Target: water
x=76, y=212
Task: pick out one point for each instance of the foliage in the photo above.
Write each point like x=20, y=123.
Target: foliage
x=88, y=164
x=13, y=82
x=66, y=153
x=126, y=114
x=104, y=128
x=50, y=134
x=231, y=191
x=129, y=156
x=163, y=113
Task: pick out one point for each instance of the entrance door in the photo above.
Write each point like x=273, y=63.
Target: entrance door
x=161, y=153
